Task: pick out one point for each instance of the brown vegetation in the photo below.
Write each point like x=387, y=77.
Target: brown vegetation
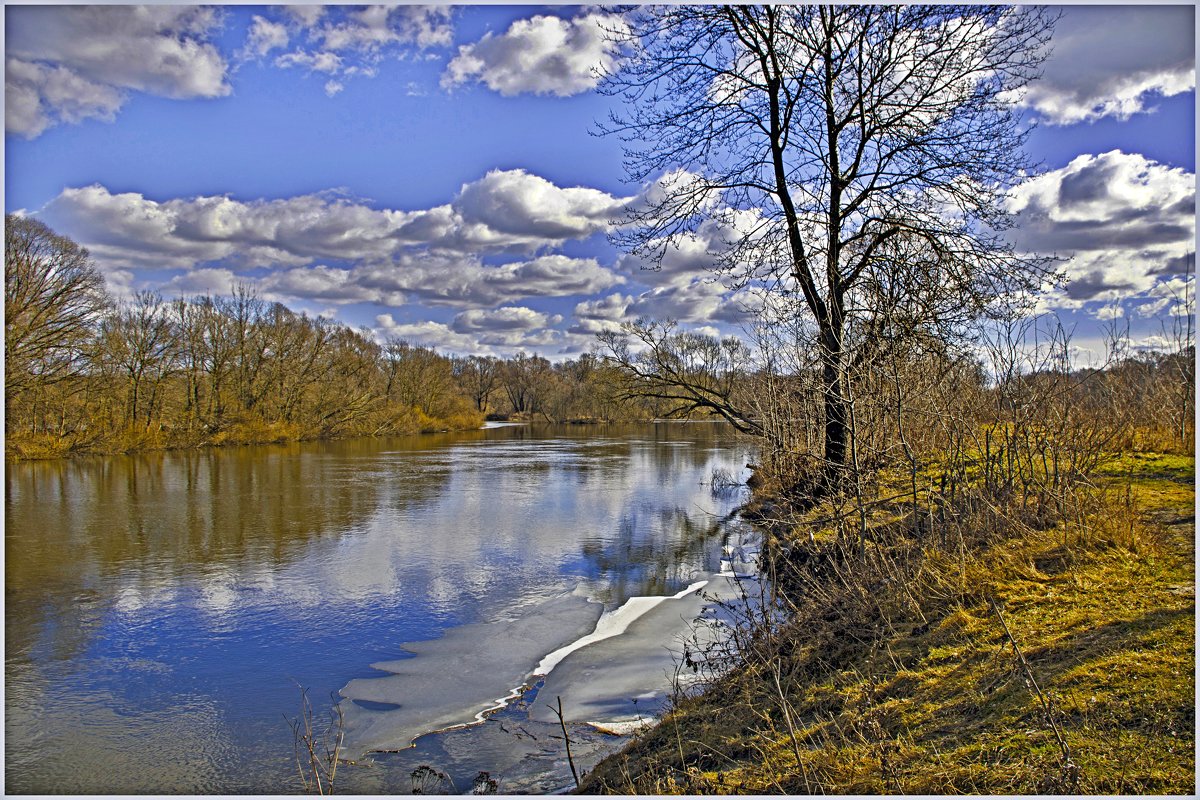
x=1001, y=602
x=84, y=374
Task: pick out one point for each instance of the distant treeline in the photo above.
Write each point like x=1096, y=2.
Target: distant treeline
x=86, y=374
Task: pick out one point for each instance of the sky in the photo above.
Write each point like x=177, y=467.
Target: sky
x=433, y=173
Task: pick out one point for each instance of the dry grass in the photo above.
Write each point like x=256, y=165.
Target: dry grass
x=895, y=673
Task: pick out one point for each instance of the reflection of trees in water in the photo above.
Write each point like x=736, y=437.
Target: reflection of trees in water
x=653, y=554
x=85, y=536
x=81, y=532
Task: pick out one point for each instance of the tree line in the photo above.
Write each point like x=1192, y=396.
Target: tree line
x=84, y=373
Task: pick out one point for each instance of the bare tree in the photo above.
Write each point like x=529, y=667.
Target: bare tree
x=53, y=298
x=526, y=379
x=856, y=157
x=478, y=376
x=139, y=343
x=690, y=372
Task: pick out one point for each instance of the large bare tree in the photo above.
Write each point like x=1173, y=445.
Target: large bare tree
x=53, y=299
x=855, y=158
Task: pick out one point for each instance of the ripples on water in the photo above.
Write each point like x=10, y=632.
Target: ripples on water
x=161, y=609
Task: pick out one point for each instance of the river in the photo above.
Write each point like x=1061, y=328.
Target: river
x=163, y=610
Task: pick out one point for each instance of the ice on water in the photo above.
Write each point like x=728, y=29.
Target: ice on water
x=614, y=671
x=455, y=679
x=620, y=682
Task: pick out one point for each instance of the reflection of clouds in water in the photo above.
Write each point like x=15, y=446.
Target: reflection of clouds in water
x=491, y=514
x=236, y=571
x=84, y=745
x=144, y=598
x=218, y=598
x=442, y=591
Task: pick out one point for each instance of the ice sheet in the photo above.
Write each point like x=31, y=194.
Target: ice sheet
x=610, y=625
x=623, y=680
x=454, y=680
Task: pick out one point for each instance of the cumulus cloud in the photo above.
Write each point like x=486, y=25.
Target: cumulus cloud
x=1125, y=222
x=427, y=334
x=505, y=342
x=504, y=212
x=1176, y=297
x=602, y=314
x=697, y=301
x=1113, y=61
x=133, y=230
x=39, y=96
x=313, y=62
x=304, y=16
x=613, y=308
x=455, y=282
x=540, y=55
x=704, y=252
x=519, y=204
x=374, y=27
x=69, y=63
x=506, y=319
x=205, y=281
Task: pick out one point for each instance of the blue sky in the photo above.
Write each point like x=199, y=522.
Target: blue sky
x=430, y=172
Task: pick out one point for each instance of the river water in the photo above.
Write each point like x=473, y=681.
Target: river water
x=162, y=611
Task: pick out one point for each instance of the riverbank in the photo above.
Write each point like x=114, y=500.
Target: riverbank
x=245, y=430
x=981, y=652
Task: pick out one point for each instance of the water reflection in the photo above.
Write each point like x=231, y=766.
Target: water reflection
x=212, y=582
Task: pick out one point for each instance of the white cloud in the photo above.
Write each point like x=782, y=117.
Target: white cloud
x=347, y=42
x=457, y=282
x=600, y=315
x=37, y=97
x=519, y=204
x=305, y=16
x=427, y=334
x=373, y=27
x=1112, y=61
x=702, y=253
x=506, y=319
x=1123, y=220
x=121, y=285
x=540, y=55
x=1176, y=297
x=698, y=301
x=206, y=281
x=504, y=212
x=446, y=339
x=265, y=36
x=70, y=63
x=322, y=61
x=613, y=308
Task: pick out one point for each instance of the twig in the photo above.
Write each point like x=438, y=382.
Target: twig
x=1047, y=709
x=566, y=738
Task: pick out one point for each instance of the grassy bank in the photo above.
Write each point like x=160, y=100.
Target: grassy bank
x=971, y=650
x=242, y=430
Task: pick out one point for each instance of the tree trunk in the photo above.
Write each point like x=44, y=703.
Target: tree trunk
x=837, y=429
